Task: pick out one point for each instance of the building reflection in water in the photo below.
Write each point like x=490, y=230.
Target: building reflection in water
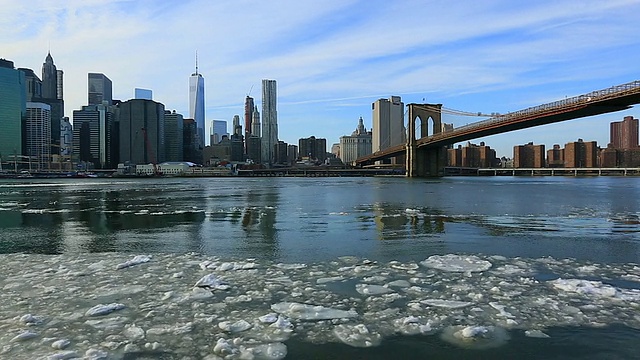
x=393, y=222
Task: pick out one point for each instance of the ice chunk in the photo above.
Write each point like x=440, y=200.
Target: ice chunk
x=63, y=355
x=367, y=289
x=30, y=319
x=449, y=304
x=102, y=309
x=60, y=344
x=26, y=335
x=269, y=318
x=224, y=347
x=475, y=337
x=311, y=312
x=535, y=334
x=95, y=354
x=399, y=283
x=595, y=288
x=272, y=351
x=329, y=279
x=238, y=326
x=138, y=259
x=357, y=335
x=291, y=266
x=133, y=332
x=456, y=263
x=212, y=282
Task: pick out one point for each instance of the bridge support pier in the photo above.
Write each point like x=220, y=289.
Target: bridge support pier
x=424, y=162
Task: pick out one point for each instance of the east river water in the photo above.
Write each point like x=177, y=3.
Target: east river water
x=320, y=268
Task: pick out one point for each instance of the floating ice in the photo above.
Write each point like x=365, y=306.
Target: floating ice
x=30, y=319
x=272, y=351
x=357, y=335
x=475, y=337
x=449, y=304
x=102, y=309
x=269, y=318
x=138, y=259
x=595, y=289
x=456, y=263
x=367, y=289
x=291, y=266
x=536, y=334
x=238, y=326
x=311, y=312
x=133, y=332
x=60, y=344
x=63, y=355
x=25, y=335
x=399, y=283
x=212, y=282
x=412, y=325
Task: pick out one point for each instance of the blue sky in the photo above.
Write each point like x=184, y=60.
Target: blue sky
x=333, y=58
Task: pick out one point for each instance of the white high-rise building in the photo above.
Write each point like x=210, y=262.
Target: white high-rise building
x=196, y=102
x=388, y=123
x=38, y=134
x=255, y=123
x=269, y=120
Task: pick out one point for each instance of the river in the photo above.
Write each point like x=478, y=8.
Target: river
x=451, y=268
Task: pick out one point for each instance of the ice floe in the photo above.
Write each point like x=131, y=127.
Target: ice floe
x=87, y=306
x=138, y=259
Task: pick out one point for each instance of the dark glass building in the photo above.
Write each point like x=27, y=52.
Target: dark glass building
x=174, y=139
x=142, y=137
x=12, y=110
x=95, y=136
x=99, y=89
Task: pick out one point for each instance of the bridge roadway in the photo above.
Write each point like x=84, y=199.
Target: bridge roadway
x=613, y=99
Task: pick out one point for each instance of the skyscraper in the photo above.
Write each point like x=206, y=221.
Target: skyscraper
x=142, y=138
x=255, y=123
x=99, y=89
x=269, y=120
x=173, y=134
x=94, y=136
x=52, y=95
x=248, y=115
x=38, y=134
x=196, y=102
x=12, y=109
x=218, y=130
x=388, y=123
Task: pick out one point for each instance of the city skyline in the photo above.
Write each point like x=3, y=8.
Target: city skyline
x=332, y=61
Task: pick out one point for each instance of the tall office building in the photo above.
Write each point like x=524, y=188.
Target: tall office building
x=218, y=130
x=66, y=137
x=237, y=128
x=196, y=102
x=144, y=94
x=255, y=123
x=190, y=149
x=12, y=109
x=95, y=136
x=142, y=137
x=52, y=94
x=248, y=115
x=173, y=134
x=38, y=134
x=388, y=123
x=269, y=120
x=624, y=134
x=313, y=148
x=99, y=89
x=33, y=85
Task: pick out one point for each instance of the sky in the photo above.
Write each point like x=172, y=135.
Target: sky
x=333, y=58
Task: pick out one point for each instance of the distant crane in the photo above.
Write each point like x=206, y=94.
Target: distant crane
x=152, y=157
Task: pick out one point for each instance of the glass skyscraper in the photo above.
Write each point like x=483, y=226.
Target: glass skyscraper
x=196, y=102
x=99, y=89
x=269, y=120
x=12, y=109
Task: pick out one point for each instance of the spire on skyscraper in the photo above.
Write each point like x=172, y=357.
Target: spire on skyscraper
x=196, y=62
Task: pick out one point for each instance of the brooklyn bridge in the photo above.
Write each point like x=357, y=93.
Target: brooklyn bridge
x=426, y=154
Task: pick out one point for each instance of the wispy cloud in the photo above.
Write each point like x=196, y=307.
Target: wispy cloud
x=331, y=58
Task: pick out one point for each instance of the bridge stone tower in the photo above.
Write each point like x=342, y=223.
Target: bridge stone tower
x=424, y=162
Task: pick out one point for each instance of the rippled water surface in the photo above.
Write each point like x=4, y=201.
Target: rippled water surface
x=326, y=239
